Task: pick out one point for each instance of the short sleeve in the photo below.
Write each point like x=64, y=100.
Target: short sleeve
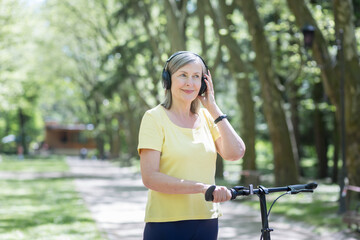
x=151, y=134
x=212, y=126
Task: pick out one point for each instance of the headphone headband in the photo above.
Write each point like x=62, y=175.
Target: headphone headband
x=181, y=52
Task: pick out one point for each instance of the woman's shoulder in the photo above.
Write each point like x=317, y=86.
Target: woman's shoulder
x=155, y=112
x=205, y=115
x=204, y=112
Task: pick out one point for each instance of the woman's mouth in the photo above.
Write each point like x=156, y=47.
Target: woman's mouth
x=188, y=91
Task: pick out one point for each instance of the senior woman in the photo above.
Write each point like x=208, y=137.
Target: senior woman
x=178, y=146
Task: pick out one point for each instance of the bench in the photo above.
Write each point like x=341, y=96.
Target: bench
x=352, y=216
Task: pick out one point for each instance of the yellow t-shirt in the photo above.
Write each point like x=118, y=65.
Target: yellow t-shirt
x=186, y=153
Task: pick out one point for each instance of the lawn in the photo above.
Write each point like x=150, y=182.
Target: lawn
x=42, y=208
x=52, y=164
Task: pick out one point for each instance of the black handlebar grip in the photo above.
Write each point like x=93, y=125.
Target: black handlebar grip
x=233, y=193
x=209, y=193
x=312, y=185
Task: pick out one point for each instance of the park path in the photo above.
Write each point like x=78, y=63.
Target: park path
x=116, y=198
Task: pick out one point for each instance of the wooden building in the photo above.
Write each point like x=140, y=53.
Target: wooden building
x=68, y=139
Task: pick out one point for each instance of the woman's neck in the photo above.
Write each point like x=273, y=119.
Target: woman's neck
x=181, y=109
x=181, y=116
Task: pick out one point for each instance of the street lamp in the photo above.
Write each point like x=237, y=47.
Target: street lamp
x=340, y=46
x=309, y=34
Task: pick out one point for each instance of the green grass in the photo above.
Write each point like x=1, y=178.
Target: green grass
x=42, y=208
x=13, y=164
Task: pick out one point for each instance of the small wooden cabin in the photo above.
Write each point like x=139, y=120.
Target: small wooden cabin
x=68, y=139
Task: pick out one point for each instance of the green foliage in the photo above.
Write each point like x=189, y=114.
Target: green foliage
x=100, y=62
x=264, y=156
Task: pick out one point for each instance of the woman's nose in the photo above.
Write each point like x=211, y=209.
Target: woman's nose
x=190, y=80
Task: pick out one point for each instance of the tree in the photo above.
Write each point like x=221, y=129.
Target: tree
x=285, y=167
x=20, y=88
x=240, y=73
x=331, y=73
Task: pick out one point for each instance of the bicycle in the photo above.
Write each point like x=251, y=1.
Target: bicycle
x=261, y=191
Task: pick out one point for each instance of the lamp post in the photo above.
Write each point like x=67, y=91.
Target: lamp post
x=339, y=41
x=309, y=34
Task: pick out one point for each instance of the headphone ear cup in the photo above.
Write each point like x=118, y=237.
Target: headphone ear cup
x=166, y=79
x=203, y=86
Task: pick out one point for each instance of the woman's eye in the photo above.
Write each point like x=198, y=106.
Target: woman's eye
x=183, y=75
x=197, y=76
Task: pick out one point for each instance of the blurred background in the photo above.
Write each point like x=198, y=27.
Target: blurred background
x=77, y=76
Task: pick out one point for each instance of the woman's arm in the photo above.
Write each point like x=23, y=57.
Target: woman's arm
x=230, y=146
x=160, y=182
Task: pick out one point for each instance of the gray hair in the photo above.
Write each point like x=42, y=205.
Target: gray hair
x=175, y=64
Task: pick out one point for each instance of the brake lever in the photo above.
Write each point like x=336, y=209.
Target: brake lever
x=293, y=191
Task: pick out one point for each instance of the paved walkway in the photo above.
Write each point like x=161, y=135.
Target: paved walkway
x=117, y=198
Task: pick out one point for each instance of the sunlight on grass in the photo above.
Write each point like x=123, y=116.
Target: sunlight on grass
x=13, y=164
x=43, y=208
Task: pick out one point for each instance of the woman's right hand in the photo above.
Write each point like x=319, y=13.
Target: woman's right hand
x=220, y=194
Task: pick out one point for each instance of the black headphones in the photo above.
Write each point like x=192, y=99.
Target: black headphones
x=166, y=76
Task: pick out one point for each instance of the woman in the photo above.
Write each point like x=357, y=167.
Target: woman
x=178, y=145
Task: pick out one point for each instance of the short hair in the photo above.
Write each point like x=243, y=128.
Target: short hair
x=175, y=64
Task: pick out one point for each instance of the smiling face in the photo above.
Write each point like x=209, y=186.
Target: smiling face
x=186, y=82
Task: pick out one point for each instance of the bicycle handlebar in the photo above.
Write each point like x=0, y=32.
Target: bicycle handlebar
x=243, y=191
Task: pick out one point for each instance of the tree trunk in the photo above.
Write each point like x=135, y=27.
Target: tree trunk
x=93, y=107
x=99, y=138
x=22, y=122
x=219, y=174
x=319, y=49
x=100, y=143
x=176, y=13
x=320, y=133
x=331, y=76
x=295, y=121
x=343, y=10
x=244, y=96
x=202, y=30
x=244, y=99
x=336, y=142
x=285, y=167
x=113, y=137
x=131, y=124
x=109, y=134
x=115, y=149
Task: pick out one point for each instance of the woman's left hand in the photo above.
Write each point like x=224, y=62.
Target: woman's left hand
x=208, y=98
x=221, y=194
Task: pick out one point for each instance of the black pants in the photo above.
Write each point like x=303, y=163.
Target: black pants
x=182, y=230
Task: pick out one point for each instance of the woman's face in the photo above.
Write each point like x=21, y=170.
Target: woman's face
x=186, y=82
